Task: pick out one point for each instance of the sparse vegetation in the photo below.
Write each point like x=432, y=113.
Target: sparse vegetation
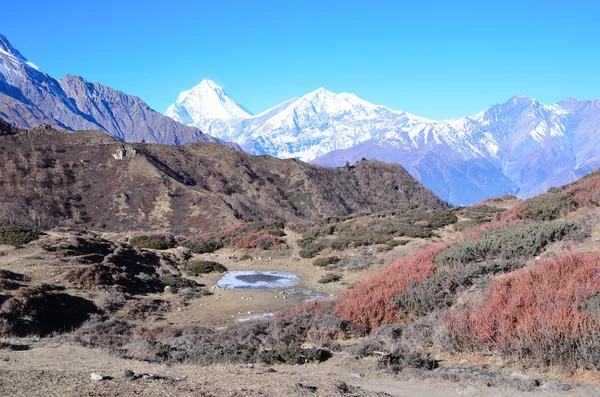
x=275, y=341
x=204, y=267
x=522, y=240
x=330, y=278
x=379, y=228
x=202, y=247
x=17, y=236
x=329, y=260
x=156, y=242
x=370, y=304
x=396, y=243
x=177, y=281
x=547, y=207
x=557, y=202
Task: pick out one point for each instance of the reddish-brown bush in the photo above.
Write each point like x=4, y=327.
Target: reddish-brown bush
x=586, y=191
x=261, y=239
x=370, y=304
x=536, y=312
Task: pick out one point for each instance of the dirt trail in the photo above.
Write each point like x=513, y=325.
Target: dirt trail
x=51, y=368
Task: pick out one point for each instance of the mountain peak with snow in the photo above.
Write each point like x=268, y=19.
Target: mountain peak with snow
x=11, y=56
x=207, y=100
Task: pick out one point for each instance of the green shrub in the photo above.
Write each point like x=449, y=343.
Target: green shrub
x=329, y=260
x=152, y=242
x=311, y=250
x=463, y=225
x=17, y=236
x=521, y=241
x=592, y=306
x=438, y=290
x=245, y=258
x=329, y=278
x=547, y=207
x=398, y=362
x=395, y=243
x=424, y=296
x=177, y=282
x=202, y=247
x=204, y=267
x=273, y=231
x=365, y=239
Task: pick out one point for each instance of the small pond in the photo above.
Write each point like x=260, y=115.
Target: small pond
x=258, y=279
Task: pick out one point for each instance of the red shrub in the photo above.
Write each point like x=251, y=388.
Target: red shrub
x=370, y=304
x=535, y=311
x=261, y=239
x=586, y=191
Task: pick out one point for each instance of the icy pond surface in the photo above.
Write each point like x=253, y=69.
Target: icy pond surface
x=258, y=279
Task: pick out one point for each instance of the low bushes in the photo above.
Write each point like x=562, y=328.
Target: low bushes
x=380, y=228
x=153, y=242
x=547, y=207
x=279, y=340
x=330, y=278
x=524, y=240
x=485, y=252
x=396, y=243
x=370, y=304
x=17, y=236
x=539, y=313
x=41, y=311
x=438, y=290
x=263, y=235
x=557, y=202
x=202, y=247
x=177, y=282
x=329, y=260
x=259, y=239
x=466, y=224
x=204, y=267
x=341, y=243
x=311, y=250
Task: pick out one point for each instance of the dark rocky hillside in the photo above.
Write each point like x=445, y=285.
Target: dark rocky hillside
x=50, y=177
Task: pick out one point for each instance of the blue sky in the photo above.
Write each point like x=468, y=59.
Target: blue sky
x=437, y=59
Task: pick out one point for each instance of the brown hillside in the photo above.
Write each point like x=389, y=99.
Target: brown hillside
x=51, y=177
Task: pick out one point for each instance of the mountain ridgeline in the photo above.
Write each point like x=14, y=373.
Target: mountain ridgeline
x=29, y=97
x=521, y=147
x=50, y=177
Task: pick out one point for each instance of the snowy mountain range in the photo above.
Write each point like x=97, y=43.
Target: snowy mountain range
x=521, y=146
x=29, y=97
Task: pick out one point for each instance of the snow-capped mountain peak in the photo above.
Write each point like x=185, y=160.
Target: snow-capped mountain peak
x=206, y=100
x=11, y=58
